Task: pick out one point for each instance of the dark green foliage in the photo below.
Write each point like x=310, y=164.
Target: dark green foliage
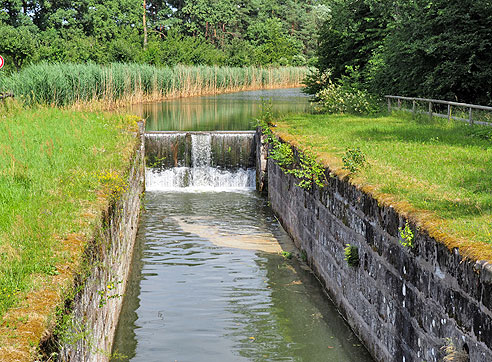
x=484, y=133
x=435, y=49
x=350, y=37
x=352, y=255
x=16, y=45
x=440, y=49
x=203, y=32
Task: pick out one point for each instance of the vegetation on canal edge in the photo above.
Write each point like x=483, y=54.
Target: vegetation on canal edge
x=62, y=84
x=438, y=173
x=304, y=166
x=59, y=169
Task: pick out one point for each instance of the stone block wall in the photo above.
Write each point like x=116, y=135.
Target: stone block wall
x=97, y=305
x=403, y=303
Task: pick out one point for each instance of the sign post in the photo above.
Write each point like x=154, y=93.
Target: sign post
x=1, y=62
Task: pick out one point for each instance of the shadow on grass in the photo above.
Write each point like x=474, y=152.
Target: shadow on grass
x=426, y=133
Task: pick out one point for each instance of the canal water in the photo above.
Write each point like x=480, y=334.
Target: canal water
x=232, y=111
x=216, y=278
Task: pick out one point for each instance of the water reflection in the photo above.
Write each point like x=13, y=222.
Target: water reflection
x=234, y=111
x=190, y=299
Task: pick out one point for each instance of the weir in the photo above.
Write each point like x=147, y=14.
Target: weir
x=198, y=160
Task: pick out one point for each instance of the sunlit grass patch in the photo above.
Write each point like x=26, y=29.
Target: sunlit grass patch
x=437, y=171
x=53, y=182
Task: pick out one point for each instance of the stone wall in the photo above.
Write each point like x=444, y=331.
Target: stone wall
x=404, y=303
x=96, y=307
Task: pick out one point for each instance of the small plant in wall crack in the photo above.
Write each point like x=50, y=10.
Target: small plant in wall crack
x=406, y=236
x=352, y=255
x=106, y=295
x=353, y=160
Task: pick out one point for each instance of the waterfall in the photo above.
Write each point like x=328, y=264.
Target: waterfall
x=201, y=172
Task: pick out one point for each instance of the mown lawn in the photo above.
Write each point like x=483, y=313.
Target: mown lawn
x=437, y=172
x=55, y=170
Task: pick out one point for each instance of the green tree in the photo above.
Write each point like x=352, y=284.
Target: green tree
x=350, y=36
x=17, y=45
x=440, y=49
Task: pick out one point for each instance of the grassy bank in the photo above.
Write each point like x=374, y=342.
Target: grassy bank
x=437, y=173
x=58, y=170
x=65, y=84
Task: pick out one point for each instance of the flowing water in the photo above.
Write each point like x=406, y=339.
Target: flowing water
x=212, y=280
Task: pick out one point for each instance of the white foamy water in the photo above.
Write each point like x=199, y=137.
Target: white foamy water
x=203, y=179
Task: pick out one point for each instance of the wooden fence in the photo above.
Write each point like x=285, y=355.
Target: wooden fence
x=431, y=111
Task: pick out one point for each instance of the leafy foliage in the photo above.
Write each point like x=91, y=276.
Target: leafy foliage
x=351, y=255
x=309, y=171
x=336, y=98
x=434, y=49
x=406, y=236
x=282, y=154
x=203, y=32
x=353, y=160
x=307, y=168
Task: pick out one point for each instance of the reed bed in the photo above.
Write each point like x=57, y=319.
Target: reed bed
x=63, y=84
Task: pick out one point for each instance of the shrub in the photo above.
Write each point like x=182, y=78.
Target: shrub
x=353, y=160
x=335, y=98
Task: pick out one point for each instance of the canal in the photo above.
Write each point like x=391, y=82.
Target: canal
x=214, y=276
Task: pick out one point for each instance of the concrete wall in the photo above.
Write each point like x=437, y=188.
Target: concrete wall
x=403, y=303
x=96, y=307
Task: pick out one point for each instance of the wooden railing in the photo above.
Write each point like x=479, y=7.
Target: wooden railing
x=431, y=112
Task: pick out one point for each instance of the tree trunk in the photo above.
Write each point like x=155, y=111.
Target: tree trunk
x=145, y=23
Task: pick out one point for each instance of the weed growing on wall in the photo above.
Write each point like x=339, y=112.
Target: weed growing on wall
x=287, y=254
x=406, y=236
x=352, y=255
x=309, y=171
x=282, y=154
x=105, y=294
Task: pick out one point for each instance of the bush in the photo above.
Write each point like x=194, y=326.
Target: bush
x=335, y=98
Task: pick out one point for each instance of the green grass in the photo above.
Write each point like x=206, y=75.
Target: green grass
x=65, y=83
x=442, y=170
x=54, y=164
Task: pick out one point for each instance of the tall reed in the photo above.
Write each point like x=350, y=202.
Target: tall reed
x=64, y=84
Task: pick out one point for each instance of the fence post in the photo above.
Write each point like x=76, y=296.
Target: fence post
x=414, y=108
x=470, y=116
x=399, y=104
x=449, y=112
x=430, y=110
x=389, y=105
